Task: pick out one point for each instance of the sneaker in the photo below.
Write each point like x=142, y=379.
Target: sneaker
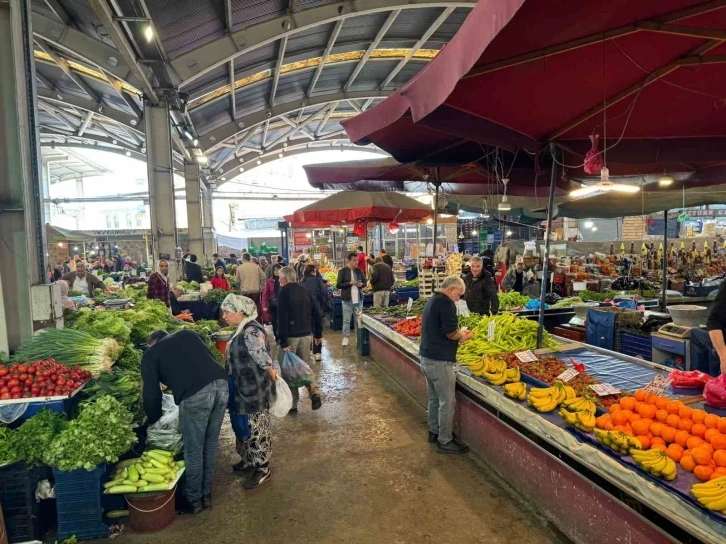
x=452, y=447
x=207, y=502
x=293, y=410
x=257, y=478
x=433, y=438
x=189, y=507
x=345, y=341
x=242, y=467
x=318, y=357
x=317, y=402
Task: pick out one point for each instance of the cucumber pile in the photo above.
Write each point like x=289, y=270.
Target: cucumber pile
x=153, y=471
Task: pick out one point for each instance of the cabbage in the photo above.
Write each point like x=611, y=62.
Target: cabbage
x=194, y=285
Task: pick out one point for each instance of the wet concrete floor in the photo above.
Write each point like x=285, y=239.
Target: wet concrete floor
x=359, y=470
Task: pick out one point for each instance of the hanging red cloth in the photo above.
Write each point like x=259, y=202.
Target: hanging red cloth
x=593, y=158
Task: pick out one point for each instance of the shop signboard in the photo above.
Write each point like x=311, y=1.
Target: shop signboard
x=302, y=238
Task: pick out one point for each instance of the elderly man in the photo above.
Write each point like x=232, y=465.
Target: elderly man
x=514, y=280
x=251, y=280
x=481, y=289
x=83, y=281
x=298, y=318
x=440, y=338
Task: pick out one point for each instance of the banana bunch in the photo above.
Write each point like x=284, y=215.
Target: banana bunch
x=656, y=462
x=516, y=390
x=578, y=404
x=548, y=398
x=618, y=441
x=513, y=375
x=712, y=494
x=583, y=420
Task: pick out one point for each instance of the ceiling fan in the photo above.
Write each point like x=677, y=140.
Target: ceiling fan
x=604, y=186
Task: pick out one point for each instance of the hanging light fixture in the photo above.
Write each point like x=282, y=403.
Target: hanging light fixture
x=508, y=233
x=504, y=206
x=665, y=180
x=485, y=210
x=474, y=232
x=429, y=221
x=604, y=186
x=148, y=33
x=394, y=227
x=589, y=224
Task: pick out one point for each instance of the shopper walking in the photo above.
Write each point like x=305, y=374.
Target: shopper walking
x=351, y=280
x=316, y=287
x=218, y=261
x=269, y=298
x=268, y=270
x=183, y=363
x=298, y=317
x=158, y=284
x=251, y=280
x=481, y=290
x=252, y=375
x=440, y=337
x=381, y=281
x=83, y=281
x=362, y=260
x=514, y=279
x=219, y=281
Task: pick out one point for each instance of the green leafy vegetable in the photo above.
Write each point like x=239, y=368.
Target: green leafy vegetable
x=129, y=358
x=215, y=296
x=100, y=434
x=123, y=385
x=8, y=453
x=33, y=437
x=103, y=324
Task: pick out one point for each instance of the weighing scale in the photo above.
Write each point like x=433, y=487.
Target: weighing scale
x=117, y=303
x=675, y=331
x=581, y=313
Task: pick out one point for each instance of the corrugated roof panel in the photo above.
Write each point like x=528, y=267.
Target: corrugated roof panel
x=217, y=120
x=199, y=115
x=406, y=73
x=293, y=86
x=307, y=4
x=373, y=74
x=333, y=77
x=83, y=16
x=364, y=27
x=104, y=91
x=413, y=23
x=314, y=39
x=250, y=12
x=254, y=99
x=215, y=78
x=184, y=25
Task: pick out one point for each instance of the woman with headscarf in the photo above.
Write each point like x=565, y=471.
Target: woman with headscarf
x=66, y=302
x=219, y=281
x=252, y=375
x=158, y=285
x=269, y=296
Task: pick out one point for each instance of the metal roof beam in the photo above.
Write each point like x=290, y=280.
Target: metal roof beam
x=105, y=15
x=73, y=76
x=297, y=128
x=433, y=28
x=212, y=139
x=326, y=54
x=264, y=133
x=324, y=122
x=75, y=145
x=86, y=122
x=59, y=11
x=233, y=152
x=201, y=60
x=372, y=47
x=278, y=65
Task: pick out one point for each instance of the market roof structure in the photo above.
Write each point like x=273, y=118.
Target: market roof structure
x=250, y=79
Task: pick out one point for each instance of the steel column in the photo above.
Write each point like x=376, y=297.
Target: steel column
x=22, y=251
x=161, y=185
x=210, y=245
x=194, y=208
x=548, y=231
x=664, y=297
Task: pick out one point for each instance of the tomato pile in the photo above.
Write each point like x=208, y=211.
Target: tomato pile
x=409, y=327
x=40, y=379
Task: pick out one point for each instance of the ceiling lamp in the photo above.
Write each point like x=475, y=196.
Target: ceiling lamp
x=504, y=206
x=393, y=227
x=148, y=33
x=508, y=233
x=429, y=221
x=604, y=186
x=594, y=229
x=474, y=232
x=665, y=180
x=589, y=224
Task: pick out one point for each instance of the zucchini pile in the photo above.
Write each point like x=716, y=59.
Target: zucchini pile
x=155, y=470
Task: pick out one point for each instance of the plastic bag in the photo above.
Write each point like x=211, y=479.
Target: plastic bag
x=165, y=434
x=295, y=371
x=691, y=378
x=593, y=158
x=715, y=392
x=283, y=399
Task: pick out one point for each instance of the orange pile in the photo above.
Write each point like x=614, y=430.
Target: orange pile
x=693, y=438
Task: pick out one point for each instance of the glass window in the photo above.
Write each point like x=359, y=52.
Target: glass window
x=129, y=222
x=109, y=222
x=116, y=223
x=138, y=220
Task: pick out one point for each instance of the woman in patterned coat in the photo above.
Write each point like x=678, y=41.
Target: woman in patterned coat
x=252, y=375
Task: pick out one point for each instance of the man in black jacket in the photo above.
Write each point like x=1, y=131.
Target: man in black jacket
x=716, y=324
x=386, y=257
x=481, y=290
x=193, y=270
x=184, y=364
x=351, y=280
x=298, y=317
x=381, y=281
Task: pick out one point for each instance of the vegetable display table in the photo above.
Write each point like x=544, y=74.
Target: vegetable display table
x=589, y=494
x=200, y=309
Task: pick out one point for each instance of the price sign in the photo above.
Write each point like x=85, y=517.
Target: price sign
x=657, y=385
x=604, y=389
x=409, y=305
x=526, y=356
x=567, y=375
x=491, y=329
x=461, y=308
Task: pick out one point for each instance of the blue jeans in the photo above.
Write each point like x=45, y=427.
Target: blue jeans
x=348, y=309
x=441, y=386
x=200, y=420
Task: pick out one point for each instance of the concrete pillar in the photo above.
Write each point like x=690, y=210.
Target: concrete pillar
x=210, y=244
x=194, y=209
x=22, y=251
x=161, y=186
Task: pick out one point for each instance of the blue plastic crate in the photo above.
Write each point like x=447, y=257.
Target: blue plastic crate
x=636, y=346
x=78, y=496
x=25, y=518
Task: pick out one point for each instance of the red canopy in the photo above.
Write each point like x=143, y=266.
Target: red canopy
x=349, y=207
x=522, y=73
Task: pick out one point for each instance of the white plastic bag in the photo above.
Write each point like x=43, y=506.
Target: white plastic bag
x=165, y=434
x=283, y=399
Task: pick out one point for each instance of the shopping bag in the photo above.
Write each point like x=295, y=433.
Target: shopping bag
x=281, y=404
x=689, y=378
x=165, y=434
x=715, y=392
x=295, y=371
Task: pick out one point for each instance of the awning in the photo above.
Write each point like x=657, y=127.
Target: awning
x=57, y=234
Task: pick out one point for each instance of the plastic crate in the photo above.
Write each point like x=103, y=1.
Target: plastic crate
x=25, y=519
x=636, y=346
x=78, y=496
x=363, y=341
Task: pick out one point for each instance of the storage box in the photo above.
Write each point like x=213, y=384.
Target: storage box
x=78, y=495
x=25, y=518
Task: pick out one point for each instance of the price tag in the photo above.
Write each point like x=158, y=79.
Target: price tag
x=461, y=308
x=491, y=329
x=567, y=375
x=409, y=305
x=604, y=389
x=658, y=384
x=526, y=356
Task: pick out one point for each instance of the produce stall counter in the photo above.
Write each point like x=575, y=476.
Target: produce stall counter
x=575, y=483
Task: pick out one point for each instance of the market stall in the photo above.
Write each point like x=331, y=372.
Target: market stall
x=589, y=491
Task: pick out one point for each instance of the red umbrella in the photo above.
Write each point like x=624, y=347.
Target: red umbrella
x=351, y=207
x=520, y=74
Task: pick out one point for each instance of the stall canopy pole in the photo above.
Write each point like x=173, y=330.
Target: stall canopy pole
x=665, y=262
x=437, y=184
x=546, y=266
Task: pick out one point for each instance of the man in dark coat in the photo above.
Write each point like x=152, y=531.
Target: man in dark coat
x=481, y=290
